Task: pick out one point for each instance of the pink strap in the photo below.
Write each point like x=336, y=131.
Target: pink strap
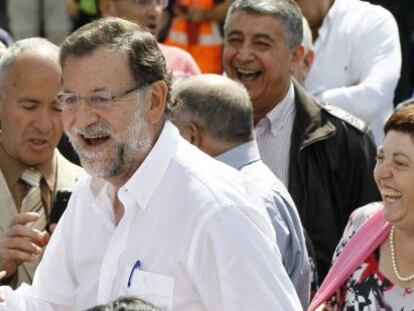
x=365, y=240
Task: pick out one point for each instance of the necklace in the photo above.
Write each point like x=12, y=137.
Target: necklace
x=394, y=261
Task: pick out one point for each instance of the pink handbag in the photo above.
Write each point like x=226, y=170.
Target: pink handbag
x=365, y=240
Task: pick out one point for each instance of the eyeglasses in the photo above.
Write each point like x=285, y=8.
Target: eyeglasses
x=146, y=3
x=98, y=100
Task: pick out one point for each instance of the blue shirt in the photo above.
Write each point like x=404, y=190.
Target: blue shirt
x=282, y=212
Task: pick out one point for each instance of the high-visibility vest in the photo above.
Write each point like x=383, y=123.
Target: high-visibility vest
x=202, y=40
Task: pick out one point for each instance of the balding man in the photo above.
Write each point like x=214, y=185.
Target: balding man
x=214, y=113
x=33, y=173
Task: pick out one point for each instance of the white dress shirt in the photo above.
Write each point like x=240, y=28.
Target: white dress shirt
x=189, y=221
x=357, y=62
x=273, y=134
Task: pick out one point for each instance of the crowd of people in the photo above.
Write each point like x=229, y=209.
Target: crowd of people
x=205, y=155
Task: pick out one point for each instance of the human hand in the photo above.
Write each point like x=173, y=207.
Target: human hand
x=21, y=243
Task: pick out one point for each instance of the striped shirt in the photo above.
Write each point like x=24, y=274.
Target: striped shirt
x=274, y=136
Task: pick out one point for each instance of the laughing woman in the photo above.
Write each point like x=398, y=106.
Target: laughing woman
x=373, y=266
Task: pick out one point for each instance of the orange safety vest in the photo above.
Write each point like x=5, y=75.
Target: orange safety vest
x=202, y=40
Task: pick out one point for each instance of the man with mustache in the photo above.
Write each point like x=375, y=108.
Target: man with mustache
x=157, y=218
x=31, y=127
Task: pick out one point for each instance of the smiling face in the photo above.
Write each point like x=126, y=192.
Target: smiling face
x=394, y=174
x=256, y=53
x=111, y=141
x=30, y=119
x=146, y=15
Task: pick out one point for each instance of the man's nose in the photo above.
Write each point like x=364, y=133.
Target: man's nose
x=245, y=53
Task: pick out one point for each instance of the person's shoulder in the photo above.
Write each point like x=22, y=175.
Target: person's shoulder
x=363, y=213
x=342, y=115
x=362, y=7
x=174, y=52
x=179, y=60
x=170, y=49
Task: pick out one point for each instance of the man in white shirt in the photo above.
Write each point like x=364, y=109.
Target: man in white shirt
x=157, y=219
x=357, y=58
x=214, y=113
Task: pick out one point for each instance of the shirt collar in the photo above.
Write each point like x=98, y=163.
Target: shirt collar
x=337, y=7
x=145, y=181
x=278, y=115
x=13, y=168
x=241, y=155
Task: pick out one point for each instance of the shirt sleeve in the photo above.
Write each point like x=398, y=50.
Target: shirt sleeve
x=232, y=264
x=377, y=60
x=291, y=242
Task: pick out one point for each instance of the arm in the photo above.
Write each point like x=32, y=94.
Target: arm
x=377, y=58
x=233, y=265
x=291, y=242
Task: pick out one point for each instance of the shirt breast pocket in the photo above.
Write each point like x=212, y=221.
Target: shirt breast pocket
x=152, y=287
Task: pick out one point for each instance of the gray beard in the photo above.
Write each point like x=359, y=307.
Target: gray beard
x=129, y=149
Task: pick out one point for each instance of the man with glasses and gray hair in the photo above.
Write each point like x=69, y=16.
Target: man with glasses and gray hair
x=156, y=219
x=148, y=13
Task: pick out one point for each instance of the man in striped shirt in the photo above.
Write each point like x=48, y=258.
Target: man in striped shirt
x=323, y=154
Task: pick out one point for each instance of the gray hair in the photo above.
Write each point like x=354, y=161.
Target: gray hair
x=217, y=104
x=287, y=10
x=32, y=45
x=146, y=62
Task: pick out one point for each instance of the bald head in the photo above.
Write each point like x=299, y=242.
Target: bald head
x=216, y=107
x=27, y=50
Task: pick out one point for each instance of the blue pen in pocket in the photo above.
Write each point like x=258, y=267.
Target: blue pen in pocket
x=135, y=267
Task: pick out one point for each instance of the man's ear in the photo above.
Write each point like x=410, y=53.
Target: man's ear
x=191, y=132
x=308, y=60
x=296, y=56
x=106, y=7
x=157, y=101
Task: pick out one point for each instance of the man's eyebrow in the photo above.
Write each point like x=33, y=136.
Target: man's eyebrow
x=234, y=32
x=28, y=100
x=97, y=89
x=260, y=35
x=265, y=36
